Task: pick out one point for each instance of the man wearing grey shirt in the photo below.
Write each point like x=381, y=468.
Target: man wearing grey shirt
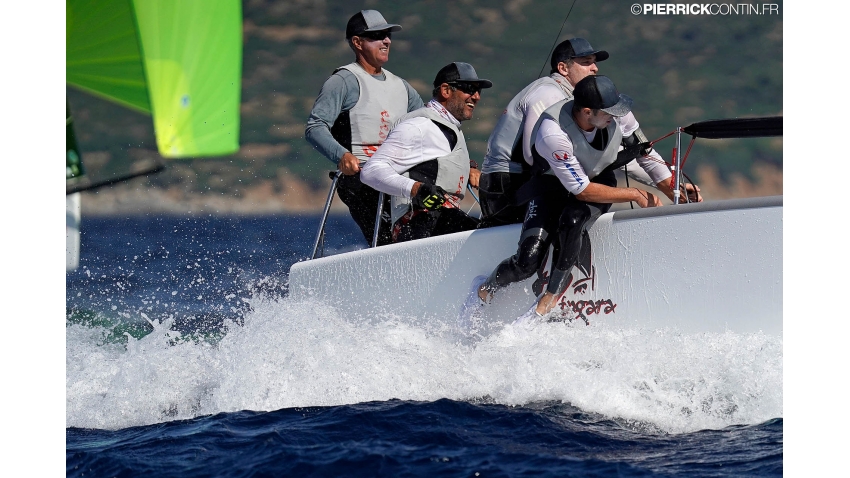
x=354, y=112
x=508, y=158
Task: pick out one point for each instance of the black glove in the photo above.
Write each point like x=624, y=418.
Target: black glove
x=629, y=153
x=634, y=151
x=429, y=196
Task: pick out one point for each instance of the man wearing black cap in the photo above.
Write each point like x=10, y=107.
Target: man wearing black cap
x=508, y=158
x=577, y=142
x=354, y=111
x=424, y=162
x=576, y=150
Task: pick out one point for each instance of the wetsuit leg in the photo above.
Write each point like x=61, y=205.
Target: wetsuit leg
x=576, y=219
x=419, y=226
x=453, y=220
x=496, y=192
x=434, y=223
x=362, y=202
x=540, y=224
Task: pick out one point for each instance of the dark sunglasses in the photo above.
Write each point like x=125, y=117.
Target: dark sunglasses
x=468, y=88
x=376, y=36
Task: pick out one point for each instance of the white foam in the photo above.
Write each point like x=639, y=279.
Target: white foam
x=295, y=354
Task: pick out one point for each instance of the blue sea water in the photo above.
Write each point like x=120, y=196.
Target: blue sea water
x=186, y=357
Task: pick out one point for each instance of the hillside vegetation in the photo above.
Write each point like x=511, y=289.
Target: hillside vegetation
x=679, y=70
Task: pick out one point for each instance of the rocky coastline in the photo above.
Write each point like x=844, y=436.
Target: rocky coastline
x=287, y=194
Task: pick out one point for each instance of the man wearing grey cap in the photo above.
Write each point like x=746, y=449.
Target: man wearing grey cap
x=424, y=162
x=508, y=164
x=508, y=158
x=354, y=111
x=576, y=150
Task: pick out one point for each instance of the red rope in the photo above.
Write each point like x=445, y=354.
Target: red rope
x=690, y=145
x=673, y=165
x=663, y=137
x=652, y=143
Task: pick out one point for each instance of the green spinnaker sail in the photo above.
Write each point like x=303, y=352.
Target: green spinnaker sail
x=179, y=60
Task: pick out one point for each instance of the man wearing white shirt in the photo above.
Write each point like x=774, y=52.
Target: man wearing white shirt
x=424, y=162
x=508, y=158
x=579, y=141
x=577, y=147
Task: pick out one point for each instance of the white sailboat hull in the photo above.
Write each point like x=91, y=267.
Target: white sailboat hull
x=706, y=267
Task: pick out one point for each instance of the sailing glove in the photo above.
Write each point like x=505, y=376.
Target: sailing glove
x=429, y=196
x=634, y=151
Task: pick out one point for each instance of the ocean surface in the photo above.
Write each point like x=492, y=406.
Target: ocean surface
x=185, y=357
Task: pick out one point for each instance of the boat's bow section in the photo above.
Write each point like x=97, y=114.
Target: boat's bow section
x=694, y=267
x=413, y=278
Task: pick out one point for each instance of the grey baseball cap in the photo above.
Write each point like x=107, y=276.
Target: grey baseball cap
x=459, y=71
x=368, y=21
x=581, y=47
x=599, y=93
x=575, y=48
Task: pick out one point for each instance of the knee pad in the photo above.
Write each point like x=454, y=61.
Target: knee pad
x=532, y=251
x=572, y=223
x=574, y=217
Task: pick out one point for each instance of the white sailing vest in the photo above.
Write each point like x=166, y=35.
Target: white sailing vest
x=592, y=160
x=504, y=147
x=380, y=104
x=452, y=169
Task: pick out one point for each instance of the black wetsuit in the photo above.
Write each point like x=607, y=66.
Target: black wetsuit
x=554, y=212
x=496, y=193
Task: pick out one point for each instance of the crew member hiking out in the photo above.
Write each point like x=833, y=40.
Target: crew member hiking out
x=508, y=160
x=576, y=150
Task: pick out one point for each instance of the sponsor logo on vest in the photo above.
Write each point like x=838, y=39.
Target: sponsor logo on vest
x=385, y=126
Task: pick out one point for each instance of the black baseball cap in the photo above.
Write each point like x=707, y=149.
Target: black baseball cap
x=599, y=93
x=575, y=48
x=368, y=21
x=460, y=72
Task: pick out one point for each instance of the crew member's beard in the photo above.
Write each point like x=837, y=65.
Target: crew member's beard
x=457, y=107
